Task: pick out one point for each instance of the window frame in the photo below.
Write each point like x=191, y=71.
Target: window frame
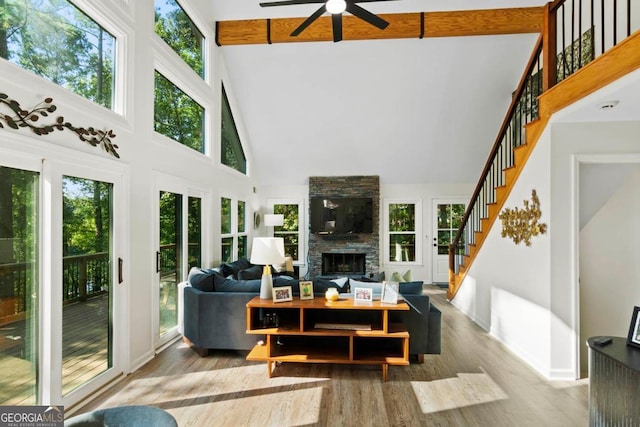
x=235, y=234
x=417, y=232
x=301, y=225
x=224, y=96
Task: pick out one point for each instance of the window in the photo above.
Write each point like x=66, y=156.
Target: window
x=402, y=232
x=242, y=231
x=194, y=231
x=57, y=41
x=175, y=27
x=232, y=153
x=290, y=230
x=449, y=220
x=177, y=116
x=234, y=234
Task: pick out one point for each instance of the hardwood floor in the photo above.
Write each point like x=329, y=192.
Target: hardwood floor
x=476, y=381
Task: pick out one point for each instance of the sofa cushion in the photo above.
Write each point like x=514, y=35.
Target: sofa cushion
x=251, y=273
x=320, y=286
x=375, y=286
x=287, y=281
x=411, y=288
x=202, y=278
x=232, y=268
x=223, y=284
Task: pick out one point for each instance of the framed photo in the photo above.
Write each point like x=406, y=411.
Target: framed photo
x=634, y=328
x=306, y=290
x=390, y=292
x=282, y=293
x=363, y=294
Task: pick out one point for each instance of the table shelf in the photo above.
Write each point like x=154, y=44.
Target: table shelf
x=296, y=339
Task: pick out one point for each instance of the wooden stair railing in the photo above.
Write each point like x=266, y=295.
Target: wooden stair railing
x=531, y=108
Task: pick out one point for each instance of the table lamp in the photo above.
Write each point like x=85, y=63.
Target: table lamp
x=266, y=251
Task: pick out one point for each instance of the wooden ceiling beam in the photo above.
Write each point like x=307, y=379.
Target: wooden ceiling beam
x=401, y=25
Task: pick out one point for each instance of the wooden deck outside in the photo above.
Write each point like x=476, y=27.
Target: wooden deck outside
x=85, y=351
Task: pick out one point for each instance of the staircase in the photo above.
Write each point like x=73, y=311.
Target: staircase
x=538, y=96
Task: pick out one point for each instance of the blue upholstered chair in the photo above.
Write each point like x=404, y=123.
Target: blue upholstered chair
x=124, y=416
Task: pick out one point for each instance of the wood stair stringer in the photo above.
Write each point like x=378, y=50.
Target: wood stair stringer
x=521, y=155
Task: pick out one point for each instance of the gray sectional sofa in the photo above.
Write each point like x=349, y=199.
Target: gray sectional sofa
x=212, y=309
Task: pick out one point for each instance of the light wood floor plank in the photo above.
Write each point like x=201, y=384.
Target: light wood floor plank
x=476, y=381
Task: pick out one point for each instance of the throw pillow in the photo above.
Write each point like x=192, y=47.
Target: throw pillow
x=232, y=268
x=396, y=277
x=202, y=279
x=251, y=273
x=378, y=277
x=287, y=281
x=406, y=277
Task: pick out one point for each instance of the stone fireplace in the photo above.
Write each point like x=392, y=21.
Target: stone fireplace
x=355, y=254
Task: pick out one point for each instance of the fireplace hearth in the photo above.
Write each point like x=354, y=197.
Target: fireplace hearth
x=343, y=264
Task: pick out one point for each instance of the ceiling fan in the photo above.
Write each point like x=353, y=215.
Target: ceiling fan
x=335, y=8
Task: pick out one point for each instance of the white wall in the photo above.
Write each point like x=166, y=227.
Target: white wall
x=506, y=290
x=609, y=270
x=528, y=297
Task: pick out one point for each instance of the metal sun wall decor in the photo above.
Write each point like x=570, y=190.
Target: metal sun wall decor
x=25, y=118
x=522, y=224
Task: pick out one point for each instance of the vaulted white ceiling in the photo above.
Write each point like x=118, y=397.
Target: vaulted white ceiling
x=409, y=110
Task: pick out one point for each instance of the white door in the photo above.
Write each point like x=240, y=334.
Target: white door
x=447, y=216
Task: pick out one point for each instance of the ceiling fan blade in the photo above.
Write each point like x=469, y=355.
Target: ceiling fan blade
x=366, y=16
x=309, y=20
x=289, y=2
x=336, y=20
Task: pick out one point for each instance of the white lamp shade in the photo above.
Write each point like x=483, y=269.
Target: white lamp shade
x=267, y=250
x=273, y=220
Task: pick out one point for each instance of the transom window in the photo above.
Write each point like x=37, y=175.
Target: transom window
x=232, y=153
x=177, y=116
x=175, y=27
x=57, y=41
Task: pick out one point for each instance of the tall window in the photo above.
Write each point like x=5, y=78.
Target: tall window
x=177, y=116
x=232, y=153
x=195, y=232
x=242, y=230
x=57, y=41
x=290, y=230
x=175, y=27
x=225, y=230
x=234, y=233
x=402, y=232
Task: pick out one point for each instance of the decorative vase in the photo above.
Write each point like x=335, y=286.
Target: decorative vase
x=331, y=294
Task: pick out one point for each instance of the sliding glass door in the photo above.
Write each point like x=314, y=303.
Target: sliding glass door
x=87, y=280
x=19, y=289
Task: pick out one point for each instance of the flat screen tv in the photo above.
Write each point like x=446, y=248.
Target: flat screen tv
x=341, y=215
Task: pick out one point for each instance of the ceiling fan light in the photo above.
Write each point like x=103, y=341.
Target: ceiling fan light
x=336, y=6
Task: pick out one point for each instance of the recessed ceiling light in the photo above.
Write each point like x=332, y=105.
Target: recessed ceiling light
x=608, y=105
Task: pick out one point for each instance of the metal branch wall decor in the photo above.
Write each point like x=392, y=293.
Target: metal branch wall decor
x=25, y=118
x=522, y=224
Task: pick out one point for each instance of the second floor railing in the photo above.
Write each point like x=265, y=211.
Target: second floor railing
x=576, y=32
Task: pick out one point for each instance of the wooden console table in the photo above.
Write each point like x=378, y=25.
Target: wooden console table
x=614, y=384
x=321, y=331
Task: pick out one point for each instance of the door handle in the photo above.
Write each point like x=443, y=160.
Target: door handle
x=158, y=262
x=120, y=280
